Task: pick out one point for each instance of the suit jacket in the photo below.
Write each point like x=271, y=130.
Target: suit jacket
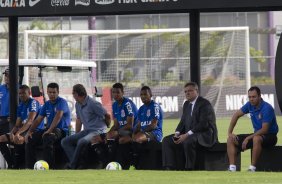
x=202, y=123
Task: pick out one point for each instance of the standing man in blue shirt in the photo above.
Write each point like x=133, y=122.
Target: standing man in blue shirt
x=94, y=119
x=57, y=112
x=5, y=104
x=26, y=112
x=120, y=134
x=150, y=119
x=265, y=129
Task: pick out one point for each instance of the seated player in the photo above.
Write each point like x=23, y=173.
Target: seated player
x=119, y=136
x=150, y=120
x=26, y=113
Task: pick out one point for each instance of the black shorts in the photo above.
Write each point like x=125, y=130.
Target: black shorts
x=124, y=133
x=268, y=140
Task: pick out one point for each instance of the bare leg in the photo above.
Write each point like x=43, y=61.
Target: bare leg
x=257, y=147
x=231, y=151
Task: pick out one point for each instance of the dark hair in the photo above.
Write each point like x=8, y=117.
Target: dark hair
x=53, y=85
x=24, y=87
x=118, y=86
x=79, y=89
x=194, y=84
x=147, y=88
x=255, y=88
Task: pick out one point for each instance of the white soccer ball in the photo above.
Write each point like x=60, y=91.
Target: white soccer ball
x=41, y=165
x=113, y=166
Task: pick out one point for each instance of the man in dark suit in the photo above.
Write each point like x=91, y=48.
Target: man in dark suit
x=196, y=128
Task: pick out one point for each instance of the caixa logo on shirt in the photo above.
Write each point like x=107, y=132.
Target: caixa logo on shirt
x=104, y=2
x=60, y=2
x=145, y=123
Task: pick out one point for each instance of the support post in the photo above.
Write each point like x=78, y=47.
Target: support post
x=13, y=67
x=194, y=20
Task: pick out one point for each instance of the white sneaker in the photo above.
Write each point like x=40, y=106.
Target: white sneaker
x=252, y=168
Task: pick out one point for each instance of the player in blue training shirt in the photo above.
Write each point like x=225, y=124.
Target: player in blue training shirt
x=150, y=119
x=27, y=111
x=265, y=129
x=148, y=131
x=125, y=118
x=57, y=112
x=4, y=104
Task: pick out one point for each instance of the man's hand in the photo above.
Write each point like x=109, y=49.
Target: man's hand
x=233, y=137
x=18, y=139
x=245, y=142
x=181, y=138
x=108, y=120
x=48, y=132
x=96, y=139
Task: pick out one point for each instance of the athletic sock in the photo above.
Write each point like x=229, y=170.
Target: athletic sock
x=232, y=168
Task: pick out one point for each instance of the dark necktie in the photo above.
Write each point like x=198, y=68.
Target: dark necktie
x=189, y=118
x=190, y=109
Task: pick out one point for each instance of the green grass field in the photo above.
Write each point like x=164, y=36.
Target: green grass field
x=135, y=177
x=160, y=177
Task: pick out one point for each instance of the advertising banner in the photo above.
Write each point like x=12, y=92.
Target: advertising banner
x=111, y=7
x=171, y=100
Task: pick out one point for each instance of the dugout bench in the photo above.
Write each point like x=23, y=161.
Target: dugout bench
x=209, y=159
x=270, y=159
x=215, y=158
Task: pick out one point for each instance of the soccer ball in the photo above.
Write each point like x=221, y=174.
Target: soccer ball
x=113, y=166
x=41, y=165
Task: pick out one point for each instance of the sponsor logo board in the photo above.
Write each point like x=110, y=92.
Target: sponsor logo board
x=12, y=3
x=82, y=2
x=60, y=3
x=33, y=2
x=104, y=2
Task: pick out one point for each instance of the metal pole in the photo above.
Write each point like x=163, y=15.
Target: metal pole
x=278, y=71
x=117, y=49
x=26, y=70
x=195, y=69
x=13, y=67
